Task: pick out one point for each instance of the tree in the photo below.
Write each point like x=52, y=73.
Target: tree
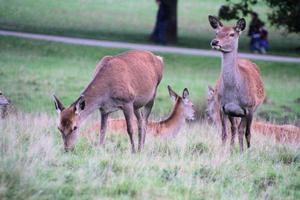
x=284, y=13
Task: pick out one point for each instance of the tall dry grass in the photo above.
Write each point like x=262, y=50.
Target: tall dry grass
x=193, y=165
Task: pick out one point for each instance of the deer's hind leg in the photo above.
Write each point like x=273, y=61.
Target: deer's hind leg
x=104, y=117
x=128, y=113
x=146, y=114
x=141, y=128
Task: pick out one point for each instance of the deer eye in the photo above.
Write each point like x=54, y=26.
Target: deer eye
x=231, y=35
x=75, y=127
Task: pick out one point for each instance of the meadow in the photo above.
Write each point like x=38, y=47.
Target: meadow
x=133, y=21
x=194, y=165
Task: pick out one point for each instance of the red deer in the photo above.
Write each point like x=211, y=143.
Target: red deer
x=4, y=102
x=282, y=133
x=183, y=109
x=127, y=81
x=240, y=88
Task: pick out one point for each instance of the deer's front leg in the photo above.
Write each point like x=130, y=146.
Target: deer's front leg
x=104, y=117
x=128, y=113
x=249, y=119
x=233, y=131
x=223, y=118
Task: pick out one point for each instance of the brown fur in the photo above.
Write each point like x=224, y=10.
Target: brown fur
x=282, y=133
x=183, y=109
x=127, y=81
x=240, y=89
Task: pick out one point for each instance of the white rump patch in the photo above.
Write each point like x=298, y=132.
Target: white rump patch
x=160, y=58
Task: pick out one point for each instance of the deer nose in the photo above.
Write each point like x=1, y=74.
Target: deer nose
x=214, y=42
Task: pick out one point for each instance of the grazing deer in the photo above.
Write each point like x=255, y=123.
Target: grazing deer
x=240, y=88
x=127, y=81
x=4, y=102
x=183, y=109
x=282, y=133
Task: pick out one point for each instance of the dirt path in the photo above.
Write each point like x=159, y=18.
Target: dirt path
x=155, y=48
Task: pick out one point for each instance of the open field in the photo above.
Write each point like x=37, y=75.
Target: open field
x=128, y=20
x=31, y=71
x=191, y=166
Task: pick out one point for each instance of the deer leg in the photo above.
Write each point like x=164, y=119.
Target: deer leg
x=141, y=128
x=233, y=131
x=128, y=113
x=224, y=127
x=146, y=114
x=248, y=128
x=104, y=117
x=241, y=133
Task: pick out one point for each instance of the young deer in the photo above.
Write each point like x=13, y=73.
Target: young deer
x=127, y=81
x=282, y=133
x=240, y=88
x=183, y=109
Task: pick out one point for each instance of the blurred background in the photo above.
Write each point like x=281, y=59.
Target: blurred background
x=133, y=20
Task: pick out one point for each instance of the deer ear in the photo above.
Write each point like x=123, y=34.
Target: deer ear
x=210, y=90
x=214, y=22
x=240, y=25
x=79, y=105
x=172, y=94
x=185, y=93
x=58, y=105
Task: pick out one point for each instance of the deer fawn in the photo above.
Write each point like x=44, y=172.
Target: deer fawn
x=183, y=109
x=240, y=89
x=127, y=81
x=282, y=133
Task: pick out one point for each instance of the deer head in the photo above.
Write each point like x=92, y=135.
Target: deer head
x=226, y=37
x=183, y=103
x=68, y=120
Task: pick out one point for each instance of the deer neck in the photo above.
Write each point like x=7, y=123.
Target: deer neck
x=229, y=70
x=94, y=98
x=172, y=125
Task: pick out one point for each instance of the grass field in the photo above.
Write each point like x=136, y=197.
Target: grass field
x=191, y=166
x=31, y=71
x=128, y=20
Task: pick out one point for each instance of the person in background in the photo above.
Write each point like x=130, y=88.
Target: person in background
x=263, y=44
x=255, y=33
x=159, y=32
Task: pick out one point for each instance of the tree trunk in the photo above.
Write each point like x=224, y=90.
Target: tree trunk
x=171, y=29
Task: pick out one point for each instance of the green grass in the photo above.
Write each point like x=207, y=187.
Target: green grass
x=31, y=71
x=192, y=166
x=128, y=20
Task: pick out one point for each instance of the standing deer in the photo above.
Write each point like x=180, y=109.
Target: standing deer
x=282, y=133
x=240, y=88
x=127, y=81
x=183, y=109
